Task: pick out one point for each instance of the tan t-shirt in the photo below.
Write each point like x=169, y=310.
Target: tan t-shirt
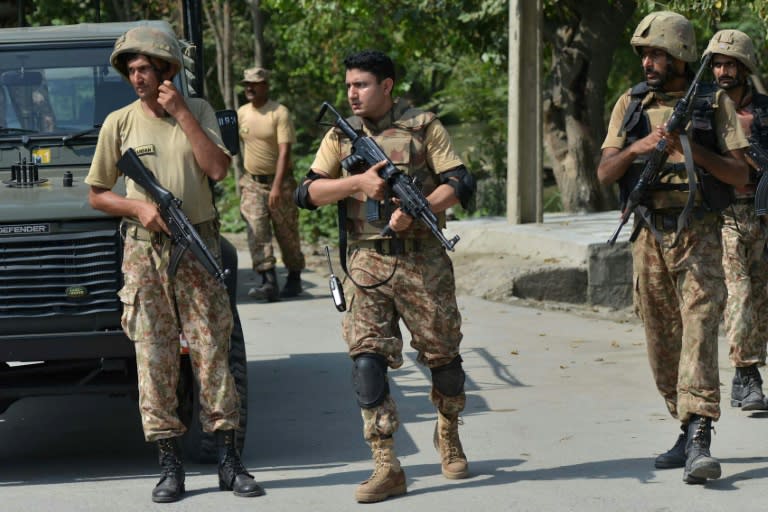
x=658, y=106
x=441, y=156
x=262, y=130
x=164, y=149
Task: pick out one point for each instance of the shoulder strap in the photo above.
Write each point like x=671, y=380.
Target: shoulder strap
x=635, y=107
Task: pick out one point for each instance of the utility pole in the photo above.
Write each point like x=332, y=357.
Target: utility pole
x=524, y=134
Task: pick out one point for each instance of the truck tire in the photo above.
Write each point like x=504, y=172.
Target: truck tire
x=6, y=403
x=200, y=446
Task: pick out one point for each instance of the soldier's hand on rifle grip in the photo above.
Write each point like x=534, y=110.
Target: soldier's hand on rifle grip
x=371, y=184
x=673, y=144
x=400, y=221
x=150, y=218
x=648, y=143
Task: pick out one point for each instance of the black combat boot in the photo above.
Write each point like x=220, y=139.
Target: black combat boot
x=700, y=465
x=292, y=285
x=171, y=484
x=747, y=389
x=675, y=456
x=232, y=474
x=269, y=289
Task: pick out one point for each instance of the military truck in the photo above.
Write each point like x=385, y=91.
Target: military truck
x=60, y=259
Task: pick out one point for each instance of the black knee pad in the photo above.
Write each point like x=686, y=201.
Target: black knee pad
x=449, y=379
x=369, y=379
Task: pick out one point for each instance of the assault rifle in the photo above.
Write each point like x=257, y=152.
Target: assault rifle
x=183, y=233
x=759, y=158
x=653, y=167
x=365, y=153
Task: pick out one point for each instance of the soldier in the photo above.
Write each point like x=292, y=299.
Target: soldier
x=744, y=233
x=267, y=187
x=678, y=273
x=408, y=277
x=180, y=142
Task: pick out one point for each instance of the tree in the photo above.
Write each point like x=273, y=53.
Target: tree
x=581, y=36
x=218, y=15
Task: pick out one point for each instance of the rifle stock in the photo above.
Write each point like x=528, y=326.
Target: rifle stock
x=183, y=233
x=412, y=200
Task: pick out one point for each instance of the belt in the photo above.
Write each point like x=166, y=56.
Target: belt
x=744, y=200
x=139, y=232
x=667, y=221
x=391, y=246
x=262, y=178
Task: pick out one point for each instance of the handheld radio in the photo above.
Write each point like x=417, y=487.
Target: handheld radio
x=337, y=292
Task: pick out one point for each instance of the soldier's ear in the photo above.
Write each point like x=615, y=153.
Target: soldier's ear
x=388, y=84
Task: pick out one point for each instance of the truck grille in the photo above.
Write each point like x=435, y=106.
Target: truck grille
x=63, y=276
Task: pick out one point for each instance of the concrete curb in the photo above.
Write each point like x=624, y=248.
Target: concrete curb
x=563, y=259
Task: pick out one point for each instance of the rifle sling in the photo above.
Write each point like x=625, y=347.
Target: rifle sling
x=682, y=220
x=342, y=221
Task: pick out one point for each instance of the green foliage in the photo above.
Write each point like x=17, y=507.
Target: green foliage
x=228, y=204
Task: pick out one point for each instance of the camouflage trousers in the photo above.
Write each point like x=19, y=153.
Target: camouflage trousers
x=156, y=311
x=746, y=276
x=422, y=294
x=679, y=295
x=262, y=222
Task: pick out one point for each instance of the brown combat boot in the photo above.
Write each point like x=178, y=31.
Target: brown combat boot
x=387, y=479
x=448, y=444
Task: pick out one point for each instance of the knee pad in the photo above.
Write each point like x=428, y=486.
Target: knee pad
x=449, y=379
x=369, y=379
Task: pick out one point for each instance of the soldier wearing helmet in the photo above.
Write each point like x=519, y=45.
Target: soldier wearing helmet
x=676, y=252
x=179, y=140
x=744, y=233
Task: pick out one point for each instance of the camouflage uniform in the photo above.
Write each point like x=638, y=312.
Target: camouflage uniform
x=679, y=292
x=680, y=347
x=422, y=290
x=261, y=221
x=263, y=130
x=155, y=311
x=158, y=308
x=746, y=276
x=408, y=278
x=421, y=293
x=679, y=295
x=744, y=233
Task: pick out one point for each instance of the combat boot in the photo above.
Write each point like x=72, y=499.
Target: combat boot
x=269, y=289
x=675, y=456
x=387, y=479
x=747, y=390
x=171, y=484
x=232, y=474
x=699, y=465
x=292, y=286
x=447, y=442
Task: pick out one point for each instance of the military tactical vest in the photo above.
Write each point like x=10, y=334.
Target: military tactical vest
x=760, y=118
x=712, y=193
x=404, y=143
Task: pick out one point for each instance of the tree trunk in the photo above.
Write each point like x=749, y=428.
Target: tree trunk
x=574, y=125
x=218, y=14
x=258, y=32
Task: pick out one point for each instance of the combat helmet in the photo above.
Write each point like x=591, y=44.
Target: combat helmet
x=669, y=31
x=736, y=44
x=149, y=41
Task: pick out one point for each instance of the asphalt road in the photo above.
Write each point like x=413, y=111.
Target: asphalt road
x=562, y=414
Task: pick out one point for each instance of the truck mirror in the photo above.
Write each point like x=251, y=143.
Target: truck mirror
x=229, y=132
x=19, y=78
